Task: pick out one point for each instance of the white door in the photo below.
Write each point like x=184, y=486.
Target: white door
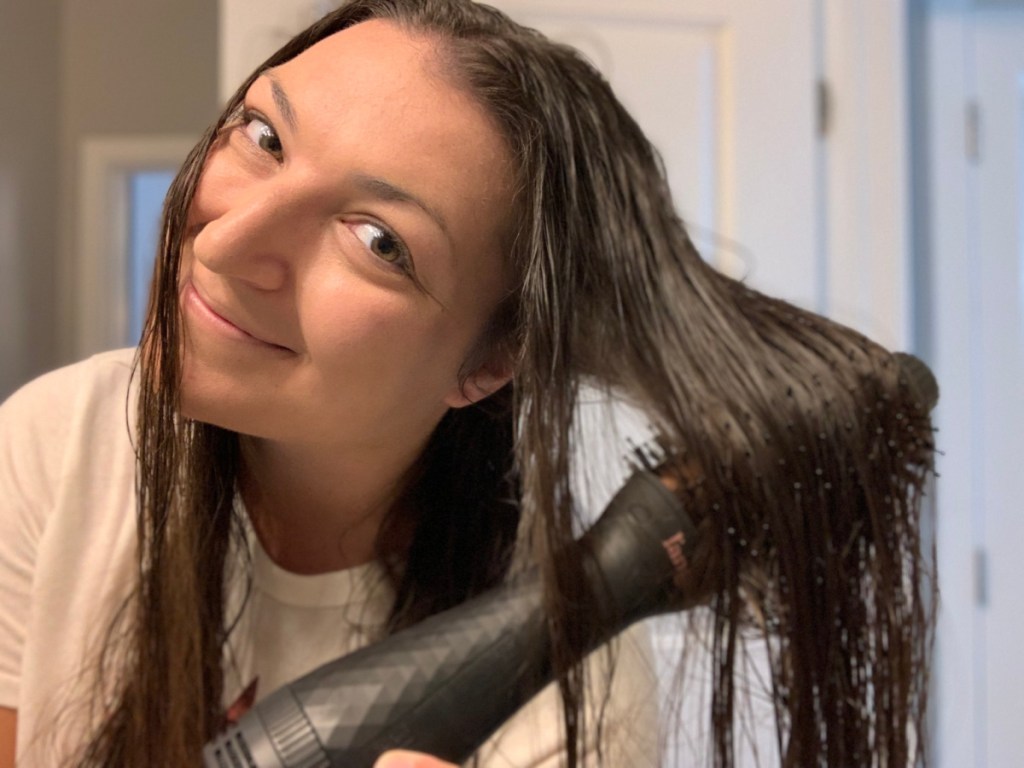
x=726, y=91
x=977, y=197
x=996, y=259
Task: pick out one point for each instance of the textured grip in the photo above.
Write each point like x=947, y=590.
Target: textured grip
x=440, y=688
x=445, y=685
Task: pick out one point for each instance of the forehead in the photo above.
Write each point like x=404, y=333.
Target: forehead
x=378, y=77
x=364, y=55
x=376, y=98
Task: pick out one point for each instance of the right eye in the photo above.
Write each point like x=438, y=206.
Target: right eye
x=261, y=133
x=385, y=245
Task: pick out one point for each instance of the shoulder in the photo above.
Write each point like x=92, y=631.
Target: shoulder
x=100, y=368
x=66, y=526
x=47, y=403
x=73, y=417
x=51, y=397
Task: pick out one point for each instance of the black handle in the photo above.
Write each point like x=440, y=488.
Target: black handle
x=445, y=685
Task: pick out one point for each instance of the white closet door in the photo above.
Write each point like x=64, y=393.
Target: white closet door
x=995, y=261
x=726, y=91
x=976, y=243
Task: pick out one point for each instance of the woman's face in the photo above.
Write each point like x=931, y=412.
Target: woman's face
x=344, y=248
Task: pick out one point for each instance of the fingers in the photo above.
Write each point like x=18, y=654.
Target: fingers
x=401, y=759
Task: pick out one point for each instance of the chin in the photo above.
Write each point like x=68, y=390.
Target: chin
x=199, y=410
x=215, y=405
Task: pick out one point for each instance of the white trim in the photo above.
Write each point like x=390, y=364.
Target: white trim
x=99, y=266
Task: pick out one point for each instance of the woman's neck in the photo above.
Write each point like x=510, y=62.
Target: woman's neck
x=316, y=509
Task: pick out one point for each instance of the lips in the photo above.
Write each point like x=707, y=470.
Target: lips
x=215, y=318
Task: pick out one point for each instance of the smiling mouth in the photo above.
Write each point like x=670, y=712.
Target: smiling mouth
x=195, y=301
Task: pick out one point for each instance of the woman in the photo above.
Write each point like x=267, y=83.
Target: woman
x=385, y=272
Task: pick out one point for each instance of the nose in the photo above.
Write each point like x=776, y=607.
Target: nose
x=252, y=230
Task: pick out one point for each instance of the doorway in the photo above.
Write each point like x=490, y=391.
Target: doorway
x=122, y=182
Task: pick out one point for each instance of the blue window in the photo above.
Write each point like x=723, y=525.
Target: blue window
x=147, y=190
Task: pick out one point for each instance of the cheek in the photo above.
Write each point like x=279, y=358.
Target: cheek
x=216, y=182
x=386, y=339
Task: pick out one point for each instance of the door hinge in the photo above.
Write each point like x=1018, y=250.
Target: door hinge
x=981, y=578
x=972, y=132
x=824, y=99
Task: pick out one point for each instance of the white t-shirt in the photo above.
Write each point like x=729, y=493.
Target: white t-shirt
x=67, y=553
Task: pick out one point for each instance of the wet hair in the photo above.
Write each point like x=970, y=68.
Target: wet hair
x=810, y=446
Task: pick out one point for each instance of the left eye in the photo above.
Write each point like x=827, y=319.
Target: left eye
x=383, y=244
x=261, y=134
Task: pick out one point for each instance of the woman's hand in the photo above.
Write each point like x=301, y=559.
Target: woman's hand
x=400, y=759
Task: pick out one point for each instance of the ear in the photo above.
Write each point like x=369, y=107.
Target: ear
x=483, y=382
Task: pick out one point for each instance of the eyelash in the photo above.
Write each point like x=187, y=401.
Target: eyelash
x=247, y=117
x=402, y=261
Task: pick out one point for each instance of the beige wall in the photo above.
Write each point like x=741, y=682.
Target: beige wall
x=70, y=69
x=138, y=67
x=29, y=163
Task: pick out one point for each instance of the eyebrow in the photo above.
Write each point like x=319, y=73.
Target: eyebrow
x=284, y=106
x=386, y=191
x=379, y=188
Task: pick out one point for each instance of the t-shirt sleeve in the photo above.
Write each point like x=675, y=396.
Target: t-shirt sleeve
x=623, y=697
x=33, y=425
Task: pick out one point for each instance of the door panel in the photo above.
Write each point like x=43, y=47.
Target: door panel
x=725, y=91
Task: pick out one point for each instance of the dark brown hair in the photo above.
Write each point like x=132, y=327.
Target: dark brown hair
x=811, y=446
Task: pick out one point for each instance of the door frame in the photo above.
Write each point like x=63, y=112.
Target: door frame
x=98, y=270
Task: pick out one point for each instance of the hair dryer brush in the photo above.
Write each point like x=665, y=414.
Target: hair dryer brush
x=446, y=684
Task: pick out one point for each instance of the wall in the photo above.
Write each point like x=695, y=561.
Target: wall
x=130, y=67
x=71, y=69
x=29, y=162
